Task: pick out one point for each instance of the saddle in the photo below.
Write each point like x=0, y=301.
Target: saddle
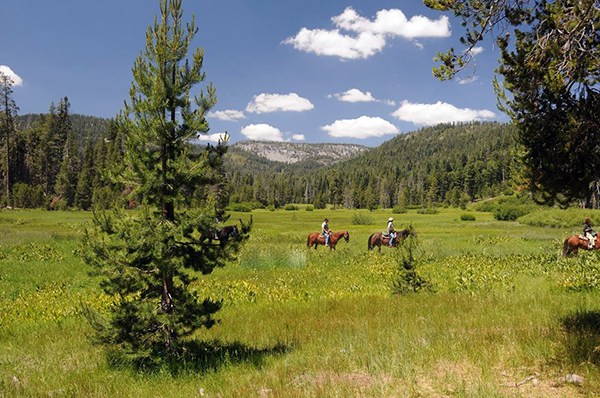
x=385, y=234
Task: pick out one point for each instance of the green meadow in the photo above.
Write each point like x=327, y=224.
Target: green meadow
x=502, y=315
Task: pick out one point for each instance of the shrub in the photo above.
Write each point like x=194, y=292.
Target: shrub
x=270, y=208
x=290, y=207
x=241, y=207
x=25, y=196
x=407, y=278
x=399, y=209
x=58, y=204
x=510, y=212
x=560, y=218
x=360, y=218
x=310, y=208
x=256, y=205
x=428, y=210
x=467, y=217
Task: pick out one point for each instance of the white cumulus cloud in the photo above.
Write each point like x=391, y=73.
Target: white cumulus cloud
x=210, y=137
x=440, y=112
x=363, y=127
x=262, y=132
x=9, y=72
x=265, y=103
x=366, y=36
x=334, y=43
x=476, y=50
x=298, y=137
x=229, y=115
x=467, y=80
x=355, y=95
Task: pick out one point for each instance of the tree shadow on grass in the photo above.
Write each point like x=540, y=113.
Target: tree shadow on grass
x=582, y=340
x=198, y=357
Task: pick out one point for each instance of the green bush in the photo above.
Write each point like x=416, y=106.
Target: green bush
x=428, y=210
x=290, y=207
x=25, y=196
x=241, y=207
x=510, y=212
x=398, y=209
x=360, y=218
x=467, y=217
x=256, y=205
x=310, y=208
x=270, y=208
x=560, y=218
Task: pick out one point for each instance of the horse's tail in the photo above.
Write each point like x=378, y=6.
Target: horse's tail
x=565, y=247
x=308, y=242
x=369, y=243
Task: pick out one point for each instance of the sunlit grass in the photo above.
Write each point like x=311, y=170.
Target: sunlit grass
x=296, y=322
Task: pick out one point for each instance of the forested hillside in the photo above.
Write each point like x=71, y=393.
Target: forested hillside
x=59, y=160
x=83, y=126
x=446, y=163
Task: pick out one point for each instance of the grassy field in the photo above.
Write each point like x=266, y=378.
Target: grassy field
x=501, y=306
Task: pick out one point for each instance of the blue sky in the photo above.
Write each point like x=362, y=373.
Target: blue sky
x=312, y=71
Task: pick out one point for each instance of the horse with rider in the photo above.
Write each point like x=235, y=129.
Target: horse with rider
x=587, y=241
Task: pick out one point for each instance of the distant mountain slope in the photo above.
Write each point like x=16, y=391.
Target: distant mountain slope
x=444, y=147
x=287, y=152
x=443, y=163
x=83, y=125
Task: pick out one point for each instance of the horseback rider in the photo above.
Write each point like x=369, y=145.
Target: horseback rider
x=391, y=231
x=325, y=231
x=589, y=233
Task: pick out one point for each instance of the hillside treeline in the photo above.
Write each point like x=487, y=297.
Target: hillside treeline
x=58, y=160
x=447, y=164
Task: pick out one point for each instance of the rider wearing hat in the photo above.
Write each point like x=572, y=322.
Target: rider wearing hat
x=325, y=231
x=589, y=233
x=391, y=230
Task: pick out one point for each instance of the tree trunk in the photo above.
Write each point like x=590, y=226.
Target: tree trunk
x=8, y=123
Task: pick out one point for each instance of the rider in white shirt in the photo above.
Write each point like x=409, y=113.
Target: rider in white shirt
x=325, y=231
x=391, y=230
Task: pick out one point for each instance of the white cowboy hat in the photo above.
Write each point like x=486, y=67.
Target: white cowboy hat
x=391, y=219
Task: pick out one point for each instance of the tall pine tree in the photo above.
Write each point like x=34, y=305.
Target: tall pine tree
x=150, y=259
x=8, y=111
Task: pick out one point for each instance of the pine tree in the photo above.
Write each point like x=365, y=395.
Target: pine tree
x=149, y=260
x=8, y=112
x=83, y=193
x=66, y=180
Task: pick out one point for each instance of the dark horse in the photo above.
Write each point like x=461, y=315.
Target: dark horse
x=576, y=242
x=316, y=239
x=222, y=235
x=380, y=239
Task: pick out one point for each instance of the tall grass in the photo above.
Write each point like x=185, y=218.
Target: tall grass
x=557, y=218
x=297, y=323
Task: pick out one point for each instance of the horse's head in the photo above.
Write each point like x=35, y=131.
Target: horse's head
x=346, y=236
x=405, y=233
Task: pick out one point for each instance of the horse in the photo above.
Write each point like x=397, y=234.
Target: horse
x=379, y=239
x=576, y=242
x=316, y=239
x=222, y=235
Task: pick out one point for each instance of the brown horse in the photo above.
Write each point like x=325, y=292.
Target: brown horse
x=576, y=242
x=380, y=239
x=316, y=239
